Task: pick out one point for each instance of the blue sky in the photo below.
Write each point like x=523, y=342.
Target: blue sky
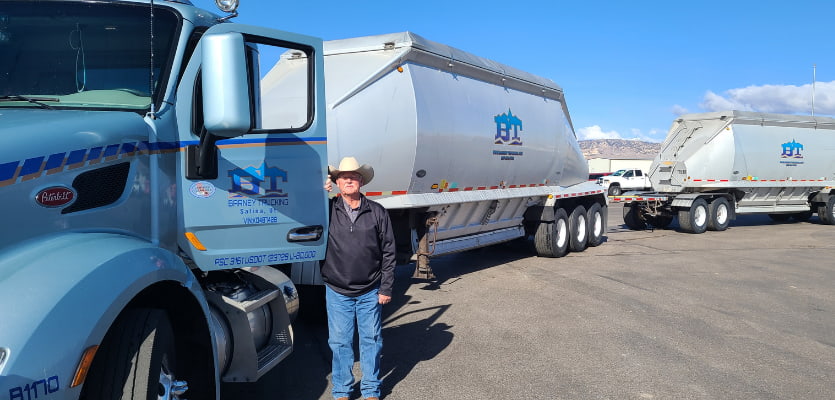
x=628, y=68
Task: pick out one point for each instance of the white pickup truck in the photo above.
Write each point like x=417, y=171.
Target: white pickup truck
x=625, y=180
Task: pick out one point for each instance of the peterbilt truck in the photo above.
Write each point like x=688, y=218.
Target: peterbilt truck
x=714, y=166
x=150, y=215
x=467, y=152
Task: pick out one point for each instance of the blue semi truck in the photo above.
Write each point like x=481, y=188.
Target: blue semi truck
x=150, y=215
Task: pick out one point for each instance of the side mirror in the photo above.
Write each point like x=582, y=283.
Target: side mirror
x=226, y=99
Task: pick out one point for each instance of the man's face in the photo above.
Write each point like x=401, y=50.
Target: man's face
x=349, y=182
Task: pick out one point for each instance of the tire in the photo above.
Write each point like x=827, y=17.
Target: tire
x=597, y=224
x=826, y=211
x=136, y=360
x=615, y=190
x=694, y=219
x=551, y=238
x=779, y=217
x=719, y=214
x=660, y=221
x=802, y=216
x=578, y=228
x=632, y=217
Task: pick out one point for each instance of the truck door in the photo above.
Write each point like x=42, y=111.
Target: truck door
x=250, y=188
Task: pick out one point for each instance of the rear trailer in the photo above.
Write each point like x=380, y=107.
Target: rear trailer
x=714, y=166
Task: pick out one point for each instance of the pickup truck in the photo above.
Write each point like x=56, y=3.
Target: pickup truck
x=625, y=180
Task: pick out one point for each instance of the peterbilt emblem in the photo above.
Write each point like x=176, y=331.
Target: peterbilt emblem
x=55, y=196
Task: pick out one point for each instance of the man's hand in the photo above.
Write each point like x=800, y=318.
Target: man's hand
x=328, y=184
x=383, y=299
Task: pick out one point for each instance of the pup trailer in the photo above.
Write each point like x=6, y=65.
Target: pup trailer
x=714, y=166
x=145, y=201
x=467, y=152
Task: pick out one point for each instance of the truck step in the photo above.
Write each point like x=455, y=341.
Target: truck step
x=254, y=301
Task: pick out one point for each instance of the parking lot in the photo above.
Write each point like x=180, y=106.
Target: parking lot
x=741, y=314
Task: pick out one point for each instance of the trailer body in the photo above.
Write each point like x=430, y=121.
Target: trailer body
x=472, y=147
x=713, y=166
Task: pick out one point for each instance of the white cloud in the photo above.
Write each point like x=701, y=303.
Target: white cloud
x=595, y=132
x=786, y=99
x=679, y=110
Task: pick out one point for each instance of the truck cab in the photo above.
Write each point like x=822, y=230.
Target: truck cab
x=151, y=202
x=624, y=180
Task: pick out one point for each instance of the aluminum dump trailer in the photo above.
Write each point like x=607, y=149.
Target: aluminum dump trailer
x=467, y=152
x=713, y=166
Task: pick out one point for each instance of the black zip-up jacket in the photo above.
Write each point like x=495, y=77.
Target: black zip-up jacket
x=360, y=255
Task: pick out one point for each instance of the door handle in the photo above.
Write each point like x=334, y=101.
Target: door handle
x=305, y=233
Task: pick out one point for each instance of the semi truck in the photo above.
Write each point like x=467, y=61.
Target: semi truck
x=150, y=215
x=715, y=166
x=467, y=152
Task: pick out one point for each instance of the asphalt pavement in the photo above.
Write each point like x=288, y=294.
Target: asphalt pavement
x=748, y=313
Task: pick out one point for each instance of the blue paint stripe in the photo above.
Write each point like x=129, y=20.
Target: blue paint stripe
x=128, y=148
x=7, y=170
x=111, y=150
x=31, y=166
x=34, y=165
x=55, y=160
x=95, y=153
x=76, y=156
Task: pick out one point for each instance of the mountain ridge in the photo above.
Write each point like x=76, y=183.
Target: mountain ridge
x=619, y=148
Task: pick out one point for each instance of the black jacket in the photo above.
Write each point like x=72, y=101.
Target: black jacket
x=360, y=255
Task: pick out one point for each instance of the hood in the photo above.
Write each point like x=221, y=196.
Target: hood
x=29, y=138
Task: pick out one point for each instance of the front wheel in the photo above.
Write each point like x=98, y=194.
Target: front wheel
x=615, y=190
x=136, y=360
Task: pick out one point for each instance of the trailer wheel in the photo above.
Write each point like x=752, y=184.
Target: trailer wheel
x=614, y=190
x=632, y=217
x=719, y=214
x=551, y=238
x=578, y=227
x=694, y=219
x=826, y=211
x=597, y=224
x=136, y=360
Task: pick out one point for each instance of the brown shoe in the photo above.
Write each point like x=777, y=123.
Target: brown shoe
x=372, y=398
x=341, y=398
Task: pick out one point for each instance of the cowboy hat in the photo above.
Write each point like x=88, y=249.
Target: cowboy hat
x=350, y=164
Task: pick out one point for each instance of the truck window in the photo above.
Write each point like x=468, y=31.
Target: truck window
x=286, y=86
x=628, y=174
x=84, y=55
x=638, y=173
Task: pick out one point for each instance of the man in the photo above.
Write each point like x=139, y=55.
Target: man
x=359, y=273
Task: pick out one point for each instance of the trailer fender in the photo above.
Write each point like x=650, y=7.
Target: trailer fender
x=685, y=200
x=67, y=290
x=540, y=213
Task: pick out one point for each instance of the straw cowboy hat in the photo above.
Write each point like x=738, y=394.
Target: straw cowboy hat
x=350, y=164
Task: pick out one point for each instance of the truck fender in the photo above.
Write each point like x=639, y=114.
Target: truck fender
x=68, y=289
x=685, y=200
x=540, y=213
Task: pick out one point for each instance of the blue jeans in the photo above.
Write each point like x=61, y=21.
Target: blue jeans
x=345, y=314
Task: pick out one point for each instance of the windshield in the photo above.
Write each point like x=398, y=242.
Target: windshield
x=82, y=55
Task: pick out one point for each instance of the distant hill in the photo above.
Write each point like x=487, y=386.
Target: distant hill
x=619, y=148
